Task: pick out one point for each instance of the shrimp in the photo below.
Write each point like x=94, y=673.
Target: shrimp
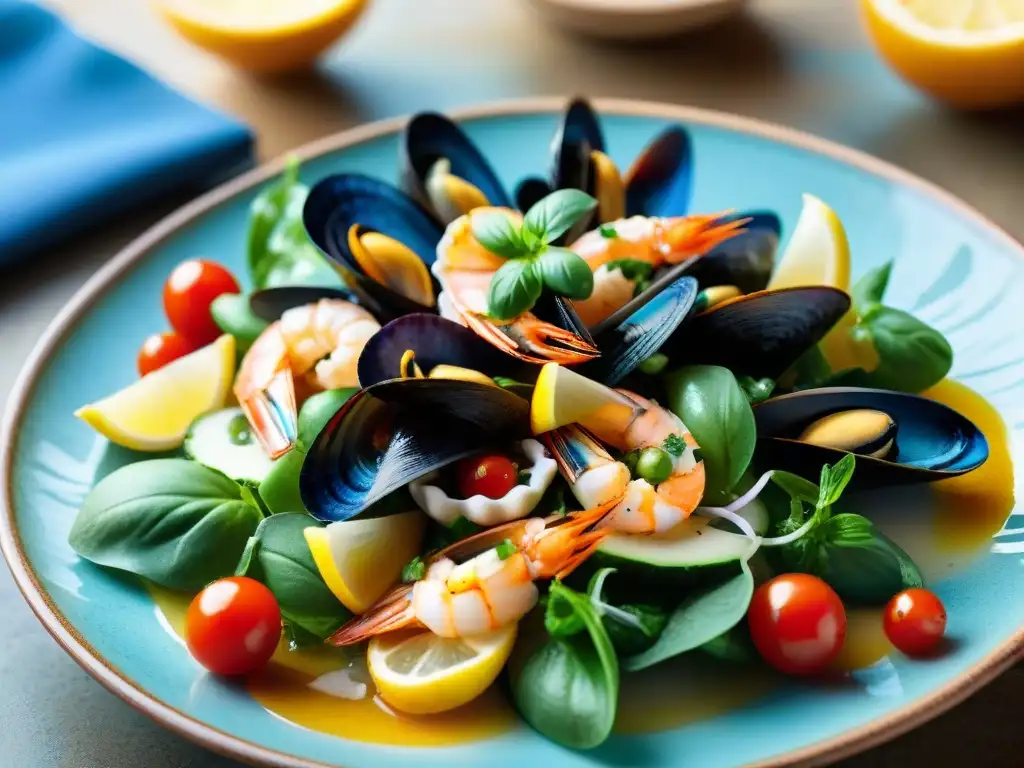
x=461, y=597
x=320, y=342
x=654, y=241
x=595, y=477
x=465, y=268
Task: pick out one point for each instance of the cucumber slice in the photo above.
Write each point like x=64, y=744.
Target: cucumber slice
x=693, y=552
x=222, y=440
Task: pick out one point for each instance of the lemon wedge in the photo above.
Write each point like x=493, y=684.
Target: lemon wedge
x=155, y=412
x=263, y=35
x=969, y=53
x=561, y=397
x=360, y=560
x=422, y=674
x=818, y=252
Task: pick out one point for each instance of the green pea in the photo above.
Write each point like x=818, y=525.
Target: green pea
x=630, y=459
x=654, y=466
x=654, y=364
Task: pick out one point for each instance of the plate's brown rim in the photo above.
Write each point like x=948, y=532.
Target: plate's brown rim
x=819, y=753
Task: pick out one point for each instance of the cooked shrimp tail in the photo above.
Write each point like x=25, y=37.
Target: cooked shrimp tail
x=696, y=235
x=265, y=389
x=532, y=340
x=392, y=612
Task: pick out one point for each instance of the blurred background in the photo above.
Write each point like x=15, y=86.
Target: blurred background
x=809, y=64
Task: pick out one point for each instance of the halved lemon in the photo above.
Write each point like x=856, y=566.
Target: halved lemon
x=562, y=396
x=263, y=35
x=155, y=412
x=422, y=674
x=818, y=252
x=969, y=53
x=360, y=560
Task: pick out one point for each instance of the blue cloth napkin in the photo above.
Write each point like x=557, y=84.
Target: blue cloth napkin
x=84, y=134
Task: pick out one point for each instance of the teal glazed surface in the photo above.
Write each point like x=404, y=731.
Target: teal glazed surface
x=951, y=269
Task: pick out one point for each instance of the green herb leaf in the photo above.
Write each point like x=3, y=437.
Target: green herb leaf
x=756, y=390
x=173, y=521
x=318, y=410
x=796, y=486
x=567, y=687
x=280, y=488
x=700, y=618
x=912, y=355
x=523, y=477
x=506, y=549
x=654, y=364
x=714, y=408
x=231, y=313
x=281, y=560
x=514, y=289
x=463, y=528
x=675, y=445
x=632, y=269
x=561, y=619
x=834, y=480
x=499, y=234
x=414, y=570
x=608, y=231
x=862, y=565
x=871, y=287
x=506, y=383
x=565, y=273
x=735, y=646
x=554, y=215
x=631, y=628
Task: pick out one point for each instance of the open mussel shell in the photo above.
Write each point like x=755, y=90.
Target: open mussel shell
x=430, y=137
x=270, y=303
x=337, y=203
x=559, y=311
x=627, y=344
x=761, y=334
x=388, y=435
x=435, y=341
x=531, y=191
x=744, y=260
x=578, y=134
x=930, y=441
x=660, y=182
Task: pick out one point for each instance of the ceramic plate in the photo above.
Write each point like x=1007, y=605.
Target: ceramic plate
x=953, y=269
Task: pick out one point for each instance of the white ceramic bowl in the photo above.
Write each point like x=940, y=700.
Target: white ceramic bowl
x=635, y=19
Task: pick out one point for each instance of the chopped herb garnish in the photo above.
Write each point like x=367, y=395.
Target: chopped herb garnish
x=506, y=383
x=414, y=570
x=608, y=231
x=675, y=445
x=523, y=477
x=632, y=269
x=463, y=528
x=506, y=549
x=654, y=364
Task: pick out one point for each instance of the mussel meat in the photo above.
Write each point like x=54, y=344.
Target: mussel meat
x=381, y=241
x=392, y=433
x=443, y=170
x=898, y=438
x=760, y=334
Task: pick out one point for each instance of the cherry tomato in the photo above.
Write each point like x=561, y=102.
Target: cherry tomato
x=188, y=293
x=915, y=621
x=162, y=348
x=798, y=623
x=233, y=626
x=491, y=475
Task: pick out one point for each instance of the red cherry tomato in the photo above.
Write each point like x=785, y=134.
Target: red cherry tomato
x=915, y=621
x=188, y=293
x=162, y=348
x=491, y=475
x=798, y=623
x=233, y=626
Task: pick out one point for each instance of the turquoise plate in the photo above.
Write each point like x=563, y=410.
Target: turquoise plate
x=953, y=268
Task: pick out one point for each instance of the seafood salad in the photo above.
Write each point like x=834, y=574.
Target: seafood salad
x=567, y=431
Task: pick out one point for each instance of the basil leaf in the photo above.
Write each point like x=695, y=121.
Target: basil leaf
x=699, y=619
x=561, y=618
x=565, y=273
x=735, y=646
x=568, y=687
x=715, y=410
x=862, y=565
x=173, y=521
x=871, y=287
x=796, y=486
x=280, y=488
x=318, y=410
x=912, y=355
x=231, y=313
x=499, y=234
x=280, y=559
x=553, y=216
x=632, y=269
x=834, y=480
x=631, y=628
x=280, y=252
x=514, y=289
x=757, y=390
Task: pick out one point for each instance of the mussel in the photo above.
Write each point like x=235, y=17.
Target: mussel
x=443, y=169
x=380, y=240
x=392, y=433
x=270, y=303
x=760, y=334
x=898, y=438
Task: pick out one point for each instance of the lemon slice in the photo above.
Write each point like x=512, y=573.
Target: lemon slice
x=421, y=673
x=562, y=396
x=969, y=53
x=360, y=560
x=263, y=35
x=155, y=412
x=818, y=252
